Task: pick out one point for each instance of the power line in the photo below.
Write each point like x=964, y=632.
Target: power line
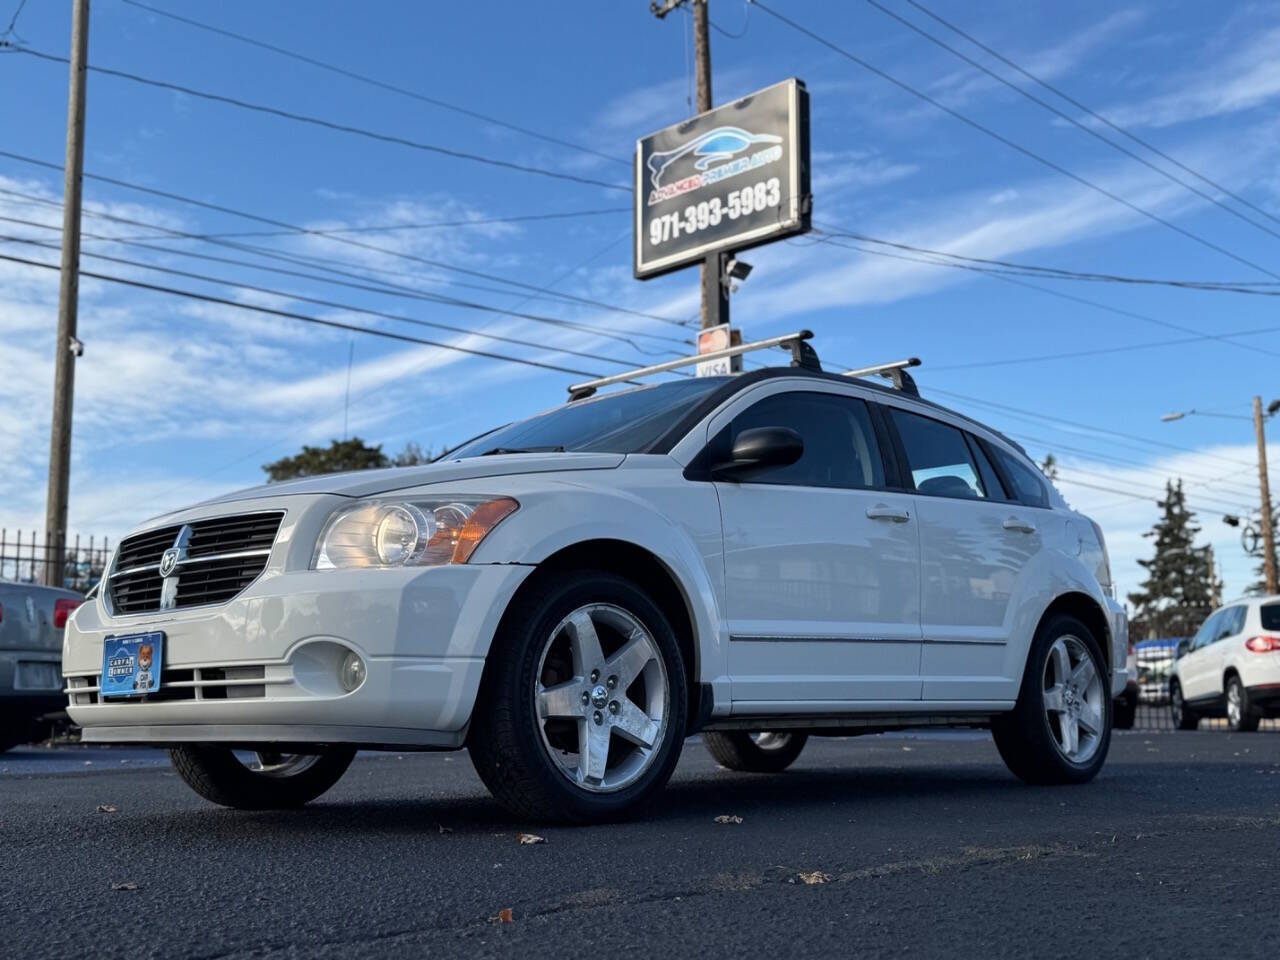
x=396, y=227
x=350, y=308
x=347, y=241
x=290, y=315
x=381, y=287
x=381, y=84
x=1090, y=428
x=11, y=30
x=1009, y=277
x=1145, y=497
x=1059, y=273
x=1093, y=113
x=327, y=124
x=1062, y=114
x=1012, y=144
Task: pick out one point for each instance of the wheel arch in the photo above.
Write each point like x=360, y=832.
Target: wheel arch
x=643, y=568
x=1085, y=609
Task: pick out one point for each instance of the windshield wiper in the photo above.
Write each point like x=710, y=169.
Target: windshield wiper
x=500, y=450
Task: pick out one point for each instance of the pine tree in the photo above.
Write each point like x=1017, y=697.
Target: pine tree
x=1049, y=467
x=1180, y=588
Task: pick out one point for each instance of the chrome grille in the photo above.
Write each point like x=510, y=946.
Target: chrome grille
x=187, y=565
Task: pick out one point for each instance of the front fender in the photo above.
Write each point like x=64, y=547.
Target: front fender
x=677, y=524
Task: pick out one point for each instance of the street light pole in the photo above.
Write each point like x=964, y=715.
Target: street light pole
x=1264, y=484
x=66, y=346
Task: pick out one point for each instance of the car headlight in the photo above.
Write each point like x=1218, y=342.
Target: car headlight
x=420, y=532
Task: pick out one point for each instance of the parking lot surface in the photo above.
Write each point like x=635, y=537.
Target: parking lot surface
x=870, y=847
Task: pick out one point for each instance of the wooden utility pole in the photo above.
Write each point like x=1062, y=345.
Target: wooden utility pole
x=715, y=291
x=1264, y=484
x=67, y=346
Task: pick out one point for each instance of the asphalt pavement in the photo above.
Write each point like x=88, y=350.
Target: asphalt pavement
x=869, y=847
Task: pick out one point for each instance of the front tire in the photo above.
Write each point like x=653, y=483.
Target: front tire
x=272, y=781
x=1241, y=717
x=764, y=751
x=1184, y=718
x=1060, y=730
x=582, y=712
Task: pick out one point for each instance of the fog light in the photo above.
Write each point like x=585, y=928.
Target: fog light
x=351, y=675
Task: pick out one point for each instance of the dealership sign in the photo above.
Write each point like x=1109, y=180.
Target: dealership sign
x=731, y=178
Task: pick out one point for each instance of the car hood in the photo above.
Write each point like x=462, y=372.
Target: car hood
x=366, y=483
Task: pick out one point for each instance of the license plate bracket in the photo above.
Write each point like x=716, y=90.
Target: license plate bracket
x=131, y=664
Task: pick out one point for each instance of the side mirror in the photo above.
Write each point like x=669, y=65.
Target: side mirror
x=1183, y=647
x=761, y=447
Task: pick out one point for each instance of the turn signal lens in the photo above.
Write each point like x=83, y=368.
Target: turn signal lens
x=62, y=609
x=485, y=517
x=1263, y=644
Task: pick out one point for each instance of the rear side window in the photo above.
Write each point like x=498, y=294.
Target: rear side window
x=1028, y=487
x=1232, y=622
x=938, y=457
x=1270, y=613
x=840, y=447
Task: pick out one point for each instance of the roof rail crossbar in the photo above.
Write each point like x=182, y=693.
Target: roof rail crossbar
x=802, y=355
x=895, y=372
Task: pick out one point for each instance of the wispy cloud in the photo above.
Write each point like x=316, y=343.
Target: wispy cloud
x=1245, y=77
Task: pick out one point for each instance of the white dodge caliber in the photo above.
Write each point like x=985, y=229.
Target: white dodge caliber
x=761, y=558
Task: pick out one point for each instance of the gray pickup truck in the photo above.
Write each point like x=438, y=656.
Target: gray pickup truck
x=32, y=619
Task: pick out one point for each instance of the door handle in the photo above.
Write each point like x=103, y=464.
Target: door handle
x=1022, y=526
x=883, y=512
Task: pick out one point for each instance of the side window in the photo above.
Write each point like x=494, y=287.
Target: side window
x=840, y=448
x=990, y=480
x=1028, y=487
x=938, y=457
x=1208, y=631
x=1232, y=623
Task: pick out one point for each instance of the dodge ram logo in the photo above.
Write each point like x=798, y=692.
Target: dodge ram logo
x=169, y=561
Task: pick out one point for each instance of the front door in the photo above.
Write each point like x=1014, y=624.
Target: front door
x=821, y=564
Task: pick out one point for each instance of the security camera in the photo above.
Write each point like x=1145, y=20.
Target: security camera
x=737, y=269
x=76, y=347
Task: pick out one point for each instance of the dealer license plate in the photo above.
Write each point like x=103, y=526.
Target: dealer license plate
x=131, y=665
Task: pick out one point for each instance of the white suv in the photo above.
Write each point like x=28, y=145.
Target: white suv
x=761, y=557
x=1230, y=668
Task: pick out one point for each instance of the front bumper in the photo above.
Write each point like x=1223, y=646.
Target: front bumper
x=264, y=667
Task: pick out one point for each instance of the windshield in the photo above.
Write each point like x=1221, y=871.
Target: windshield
x=626, y=422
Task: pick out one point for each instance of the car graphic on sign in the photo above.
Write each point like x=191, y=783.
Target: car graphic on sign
x=722, y=143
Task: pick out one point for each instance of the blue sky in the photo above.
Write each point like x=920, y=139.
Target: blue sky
x=177, y=400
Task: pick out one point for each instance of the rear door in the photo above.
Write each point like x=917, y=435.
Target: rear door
x=821, y=560
x=976, y=540
x=1196, y=673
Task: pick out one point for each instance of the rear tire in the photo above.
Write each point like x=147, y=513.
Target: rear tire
x=1060, y=730
x=1184, y=718
x=1241, y=717
x=773, y=752
x=585, y=669
x=219, y=776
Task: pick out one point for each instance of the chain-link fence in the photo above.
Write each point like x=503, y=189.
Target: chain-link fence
x=23, y=557
x=1150, y=716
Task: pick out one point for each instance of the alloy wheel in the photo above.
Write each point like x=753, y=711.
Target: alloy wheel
x=272, y=763
x=1235, y=704
x=1074, y=699
x=771, y=739
x=601, y=698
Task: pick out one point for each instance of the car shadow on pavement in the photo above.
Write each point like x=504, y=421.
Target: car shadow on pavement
x=889, y=792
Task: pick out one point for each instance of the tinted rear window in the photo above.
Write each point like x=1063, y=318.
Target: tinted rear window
x=1270, y=616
